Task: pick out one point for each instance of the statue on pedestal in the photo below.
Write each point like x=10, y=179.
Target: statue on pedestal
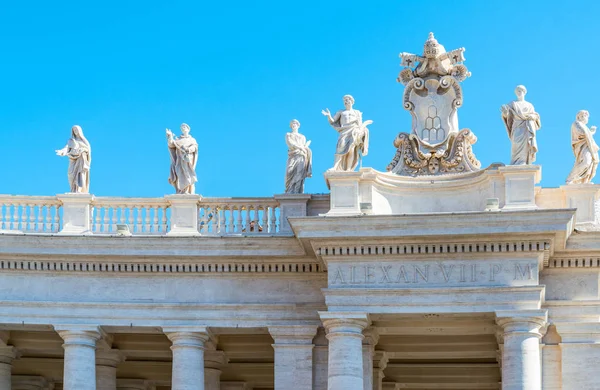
x=299, y=162
x=353, y=141
x=585, y=150
x=79, y=151
x=432, y=95
x=521, y=122
x=184, y=156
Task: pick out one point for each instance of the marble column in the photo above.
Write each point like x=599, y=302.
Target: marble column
x=368, y=349
x=107, y=361
x=521, y=363
x=551, y=360
x=188, y=357
x=80, y=356
x=344, y=332
x=320, y=358
x=293, y=347
x=213, y=366
x=380, y=361
x=7, y=354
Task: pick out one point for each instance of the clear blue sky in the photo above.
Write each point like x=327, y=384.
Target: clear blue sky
x=239, y=71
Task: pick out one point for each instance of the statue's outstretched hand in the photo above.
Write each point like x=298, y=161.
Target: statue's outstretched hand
x=326, y=112
x=593, y=129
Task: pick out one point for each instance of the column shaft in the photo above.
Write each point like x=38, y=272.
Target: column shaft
x=79, y=358
x=293, y=356
x=345, y=350
x=551, y=367
x=188, y=359
x=320, y=358
x=367, y=356
x=106, y=368
x=521, y=362
x=7, y=354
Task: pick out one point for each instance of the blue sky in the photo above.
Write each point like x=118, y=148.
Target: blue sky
x=239, y=71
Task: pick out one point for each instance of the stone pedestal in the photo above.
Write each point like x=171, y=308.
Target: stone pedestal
x=345, y=195
x=188, y=357
x=106, y=368
x=213, y=366
x=291, y=205
x=519, y=186
x=521, y=363
x=344, y=332
x=80, y=357
x=184, y=214
x=293, y=356
x=7, y=354
x=584, y=198
x=77, y=213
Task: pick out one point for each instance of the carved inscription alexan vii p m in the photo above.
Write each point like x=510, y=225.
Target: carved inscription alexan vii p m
x=432, y=273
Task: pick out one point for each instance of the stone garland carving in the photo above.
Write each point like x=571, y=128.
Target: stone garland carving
x=433, y=95
x=299, y=162
x=353, y=141
x=79, y=151
x=521, y=122
x=585, y=150
x=184, y=156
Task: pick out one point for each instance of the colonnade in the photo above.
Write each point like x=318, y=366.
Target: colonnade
x=352, y=362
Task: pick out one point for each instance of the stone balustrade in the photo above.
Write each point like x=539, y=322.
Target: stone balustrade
x=30, y=214
x=87, y=214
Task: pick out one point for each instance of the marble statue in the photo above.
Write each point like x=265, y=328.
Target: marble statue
x=432, y=95
x=184, y=156
x=353, y=140
x=585, y=150
x=79, y=151
x=299, y=162
x=521, y=122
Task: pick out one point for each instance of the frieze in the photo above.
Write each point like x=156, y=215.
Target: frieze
x=433, y=273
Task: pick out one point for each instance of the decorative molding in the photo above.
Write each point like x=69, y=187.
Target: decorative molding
x=575, y=262
x=429, y=249
x=74, y=266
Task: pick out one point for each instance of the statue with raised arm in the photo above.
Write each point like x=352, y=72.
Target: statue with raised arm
x=79, y=151
x=353, y=139
x=184, y=156
x=585, y=150
x=299, y=162
x=522, y=123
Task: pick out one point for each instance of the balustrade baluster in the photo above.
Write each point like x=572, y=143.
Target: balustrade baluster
x=265, y=219
x=140, y=218
x=40, y=218
x=48, y=224
x=131, y=221
x=240, y=220
x=106, y=220
x=273, y=213
x=155, y=227
x=22, y=217
x=249, y=226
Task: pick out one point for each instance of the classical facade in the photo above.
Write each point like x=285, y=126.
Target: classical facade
x=436, y=274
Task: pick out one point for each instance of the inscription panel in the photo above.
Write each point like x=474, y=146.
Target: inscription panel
x=450, y=273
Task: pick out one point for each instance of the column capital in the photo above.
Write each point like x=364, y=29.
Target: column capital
x=351, y=324
x=371, y=336
x=109, y=357
x=380, y=359
x=134, y=384
x=215, y=359
x=184, y=336
x=85, y=335
x=8, y=354
x=293, y=334
x=26, y=382
x=522, y=321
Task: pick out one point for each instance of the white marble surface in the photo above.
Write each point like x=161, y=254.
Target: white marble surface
x=184, y=157
x=585, y=150
x=299, y=162
x=522, y=123
x=79, y=151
